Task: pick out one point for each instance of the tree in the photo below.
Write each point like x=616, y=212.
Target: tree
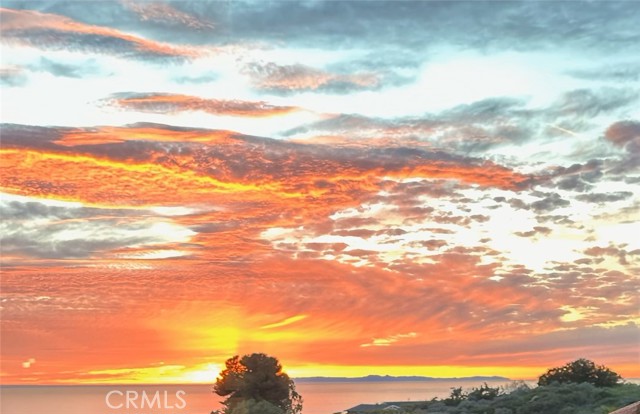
x=456, y=397
x=254, y=382
x=581, y=370
x=485, y=392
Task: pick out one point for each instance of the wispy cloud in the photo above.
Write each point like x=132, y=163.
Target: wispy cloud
x=56, y=32
x=285, y=322
x=13, y=76
x=166, y=14
x=165, y=103
x=389, y=340
x=273, y=78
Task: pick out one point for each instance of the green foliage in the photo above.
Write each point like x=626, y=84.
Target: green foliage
x=581, y=370
x=255, y=407
x=567, y=398
x=561, y=399
x=517, y=385
x=256, y=379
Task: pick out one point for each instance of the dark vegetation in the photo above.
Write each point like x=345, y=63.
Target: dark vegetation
x=581, y=370
x=579, y=387
x=568, y=398
x=256, y=384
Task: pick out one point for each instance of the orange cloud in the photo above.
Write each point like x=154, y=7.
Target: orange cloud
x=148, y=132
x=144, y=316
x=171, y=103
x=289, y=170
x=216, y=285
x=236, y=186
x=122, y=181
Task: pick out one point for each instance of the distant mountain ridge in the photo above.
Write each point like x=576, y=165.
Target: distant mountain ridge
x=389, y=378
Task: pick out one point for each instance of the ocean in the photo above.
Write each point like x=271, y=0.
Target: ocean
x=319, y=397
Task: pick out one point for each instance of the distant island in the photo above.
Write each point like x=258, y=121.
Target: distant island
x=389, y=378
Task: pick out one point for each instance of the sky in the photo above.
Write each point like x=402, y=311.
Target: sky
x=404, y=188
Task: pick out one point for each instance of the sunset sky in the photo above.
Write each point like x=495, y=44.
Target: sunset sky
x=403, y=188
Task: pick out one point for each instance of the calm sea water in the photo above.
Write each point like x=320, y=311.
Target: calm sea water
x=319, y=398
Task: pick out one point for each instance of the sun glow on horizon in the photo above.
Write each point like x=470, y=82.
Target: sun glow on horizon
x=206, y=373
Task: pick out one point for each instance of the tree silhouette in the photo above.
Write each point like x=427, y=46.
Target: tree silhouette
x=581, y=370
x=485, y=392
x=254, y=382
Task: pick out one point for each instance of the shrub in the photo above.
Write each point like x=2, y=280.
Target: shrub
x=485, y=392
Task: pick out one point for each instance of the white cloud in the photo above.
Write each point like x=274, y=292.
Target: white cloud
x=389, y=340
